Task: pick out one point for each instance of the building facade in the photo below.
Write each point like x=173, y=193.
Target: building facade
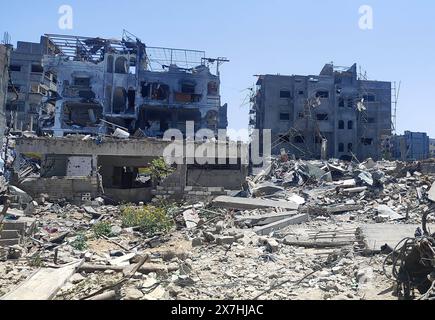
x=4, y=84
x=30, y=84
x=432, y=148
x=345, y=115
x=104, y=84
x=412, y=146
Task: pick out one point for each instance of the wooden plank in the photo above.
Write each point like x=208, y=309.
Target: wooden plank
x=43, y=284
x=251, y=203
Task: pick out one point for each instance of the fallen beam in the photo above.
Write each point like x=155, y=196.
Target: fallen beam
x=354, y=190
x=250, y=203
x=317, y=244
x=43, y=284
x=343, y=208
x=145, y=268
x=267, y=229
x=266, y=218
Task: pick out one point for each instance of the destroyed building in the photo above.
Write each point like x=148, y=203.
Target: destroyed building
x=79, y=169
x=124, y=83
x=411, y=146
x=432, y=148
x=30, y=84
x=338, y=110
x=4, y=84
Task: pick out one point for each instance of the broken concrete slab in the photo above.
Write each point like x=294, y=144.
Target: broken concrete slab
x=191, y=218
x=278, y=225
x=43, y=284
x=375, y=236
x=266, y=188
x=248, y=203
x=388, y=213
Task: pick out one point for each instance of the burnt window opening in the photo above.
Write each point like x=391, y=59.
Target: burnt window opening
x=187, y=87
x=14, y=88
x=322, y=116
x=367, y=141
x=301, y=115
x=108, y=98
x=15, y=68
x=82, y=82
x=110, y=62
x=371, y=120
x=124, y=177
x=212, y=88
x=121, y=65
x=155, y=91
x=131, y=98
x=341, y=102
x=350, y=125
x=341, y=124
x=341, y=147
x=37, y=68
x=349, y=147
x=284, y=116
x=284, y=138
x=284, y=94
x=299, y=139
x=369, y=98
x=322, y=94
x=301, y=92
x=119, y=100
x=350, y=103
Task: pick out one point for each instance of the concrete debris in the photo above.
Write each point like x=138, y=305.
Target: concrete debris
x=296, y=218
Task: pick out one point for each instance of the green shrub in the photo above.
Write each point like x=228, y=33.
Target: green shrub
x=79, y=242
x=149, y=219
x=102, y=229
x=158, y=170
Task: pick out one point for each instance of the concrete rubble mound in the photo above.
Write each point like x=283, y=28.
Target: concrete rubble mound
x=295, y=230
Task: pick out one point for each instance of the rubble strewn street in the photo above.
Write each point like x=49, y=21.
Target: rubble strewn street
x=300, y=230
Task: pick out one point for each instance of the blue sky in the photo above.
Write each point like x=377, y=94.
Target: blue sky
x=274, y=36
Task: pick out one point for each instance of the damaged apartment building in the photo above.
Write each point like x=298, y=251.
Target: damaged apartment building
x=104, y=84
x=5, y=52
x=337, y=114
x=105, y=108
x=30, y=85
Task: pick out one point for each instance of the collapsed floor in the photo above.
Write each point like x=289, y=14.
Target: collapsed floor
x=299, y=230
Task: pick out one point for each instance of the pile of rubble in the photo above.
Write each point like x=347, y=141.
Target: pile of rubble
x=298, y=230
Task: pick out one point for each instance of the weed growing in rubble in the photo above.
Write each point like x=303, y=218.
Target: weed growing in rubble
x=102, y=229
x=80, y=242
x=36, y=261
x=149, y=219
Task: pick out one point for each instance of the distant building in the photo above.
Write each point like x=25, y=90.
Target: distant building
x=411, y=146
x=432, y=148
x=351, y=114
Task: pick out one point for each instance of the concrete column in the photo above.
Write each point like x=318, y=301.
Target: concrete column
x=57, y=128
